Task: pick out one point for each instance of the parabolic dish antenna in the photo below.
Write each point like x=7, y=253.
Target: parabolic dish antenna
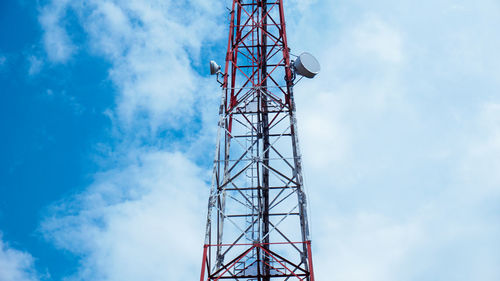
x=306, y=65
x=214, y=67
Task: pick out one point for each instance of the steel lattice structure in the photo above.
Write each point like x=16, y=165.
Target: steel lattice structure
x=257, y=226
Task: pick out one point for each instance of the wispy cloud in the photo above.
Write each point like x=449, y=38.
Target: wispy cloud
x=151, y=47
x=403, y=143
x=16, y=265
x=63, y=97
x=3, y=59
x=35, y=65
x=143, y=217
x=56, y=40
x=140, y=221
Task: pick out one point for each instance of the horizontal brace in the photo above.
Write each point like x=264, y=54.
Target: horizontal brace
x=258, y=188
x=257, y=276
x=255, y=215
x=253, y=87
x=258, y=244
x=256, y=112
x=253, y=159
x=255, y=65
x=255, y=136
x=259, y=4
x=257, y=25
x=260, y=45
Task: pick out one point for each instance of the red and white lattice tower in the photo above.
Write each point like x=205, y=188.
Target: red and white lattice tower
x=257, y=226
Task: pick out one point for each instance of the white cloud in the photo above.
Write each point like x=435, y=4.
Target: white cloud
x=376, y=39
x=480, y=163
x=141, y=221
x=56, y=40
x=400, y=146
x=35, y=65
x=3, y=59
x=70, y=101
x=364, y=247
x=360, y=84
x=151, y=47
x=144, y=218
x=16, y=265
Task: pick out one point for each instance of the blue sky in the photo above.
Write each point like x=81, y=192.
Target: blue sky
x=50, y=121
x=108, y=128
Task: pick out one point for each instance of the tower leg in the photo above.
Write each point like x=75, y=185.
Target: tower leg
x=203, y=262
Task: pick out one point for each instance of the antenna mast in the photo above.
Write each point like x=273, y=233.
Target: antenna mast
x=257, y=225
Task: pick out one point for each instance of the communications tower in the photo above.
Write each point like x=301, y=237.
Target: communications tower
x=257, y=226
